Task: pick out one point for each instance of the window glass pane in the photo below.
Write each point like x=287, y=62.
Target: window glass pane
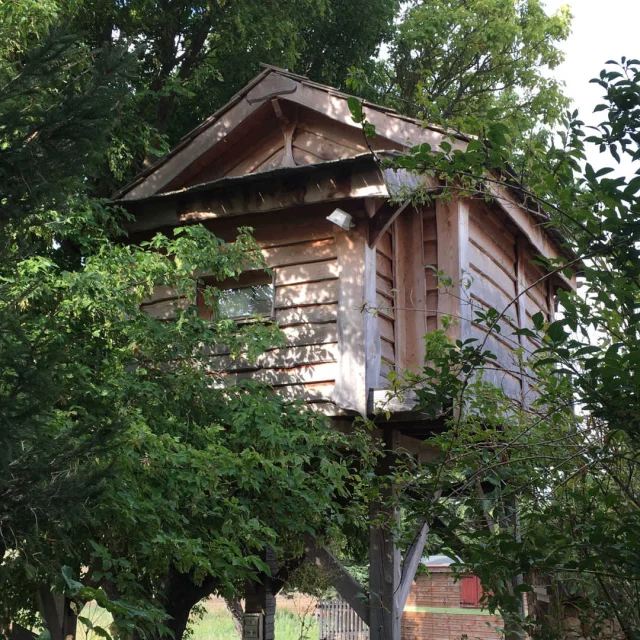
x=246, y=301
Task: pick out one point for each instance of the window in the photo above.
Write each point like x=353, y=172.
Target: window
x=251, y=294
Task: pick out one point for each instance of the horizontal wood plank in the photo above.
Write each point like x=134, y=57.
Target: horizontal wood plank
x=311, y=293
x=386, y=328
x=488, y=268
x=388, y=351
x=320, y=313
x=295, y=375
x=278, y=358
x=384, y=245
x=310, y=333
x=304, y=252
x=310, y=272
x=384, y=266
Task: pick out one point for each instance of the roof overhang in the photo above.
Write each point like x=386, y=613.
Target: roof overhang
x=347, y=179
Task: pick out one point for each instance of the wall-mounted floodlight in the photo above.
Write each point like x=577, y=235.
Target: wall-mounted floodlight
x=342, y=219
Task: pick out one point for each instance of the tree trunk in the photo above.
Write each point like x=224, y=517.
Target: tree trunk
x=182, y=595
x=237, y=613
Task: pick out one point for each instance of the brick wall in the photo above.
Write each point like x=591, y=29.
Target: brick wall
x=439, y=591
x=446, y=626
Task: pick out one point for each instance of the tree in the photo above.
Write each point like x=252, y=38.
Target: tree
x=543, y=490
x=461, y=64
x=130, y=471
x=194, y=56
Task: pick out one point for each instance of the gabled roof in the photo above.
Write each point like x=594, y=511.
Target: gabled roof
x=393, y=130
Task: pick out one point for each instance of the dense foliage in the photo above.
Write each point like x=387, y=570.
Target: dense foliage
x=460, y=64
x=546, y=493
x=129, y=469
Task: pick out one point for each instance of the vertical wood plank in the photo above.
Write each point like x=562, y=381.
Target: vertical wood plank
x=452, y=222
x=356, y=327
x=411, y=293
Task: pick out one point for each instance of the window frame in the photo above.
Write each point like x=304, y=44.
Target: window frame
x=244, y=280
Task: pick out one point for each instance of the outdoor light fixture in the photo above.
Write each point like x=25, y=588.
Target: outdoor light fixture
x=342, y=219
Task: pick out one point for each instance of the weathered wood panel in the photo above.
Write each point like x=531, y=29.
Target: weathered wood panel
x=277, y=358
x=165, y=309
x=354, y=330
x=322, y=148
x=411, y=293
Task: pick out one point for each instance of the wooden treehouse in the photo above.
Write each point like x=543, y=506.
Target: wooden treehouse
x=283, y=156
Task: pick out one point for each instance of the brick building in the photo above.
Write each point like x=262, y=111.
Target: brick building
x=439, y=608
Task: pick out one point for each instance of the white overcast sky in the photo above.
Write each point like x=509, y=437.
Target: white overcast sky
x=601, y=30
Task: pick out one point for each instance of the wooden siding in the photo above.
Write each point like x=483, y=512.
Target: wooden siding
x=385, y=306
x=493, y=277
x=301, y=250
x=430, y=260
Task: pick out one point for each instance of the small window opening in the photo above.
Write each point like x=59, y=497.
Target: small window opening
x=251, y=294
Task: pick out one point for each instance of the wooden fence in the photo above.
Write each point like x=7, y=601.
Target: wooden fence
x=338, y=621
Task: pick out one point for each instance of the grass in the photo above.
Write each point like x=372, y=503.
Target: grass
x=216, y=624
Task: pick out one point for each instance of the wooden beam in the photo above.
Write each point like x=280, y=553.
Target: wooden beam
x=373, y=344
x=385, y=400
x=383, y=220
x=521, y=310
x=371, y=205
x=384, y=555
x=410, y=566
x=346, y=585
x=287, y=126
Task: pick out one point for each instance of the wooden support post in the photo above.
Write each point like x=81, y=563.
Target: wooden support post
x=260, y=604
x=389, y=580
x=345, y=584
x=384, y=556
x=56, y=611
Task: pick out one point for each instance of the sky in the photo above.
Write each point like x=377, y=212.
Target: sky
x=601, y=30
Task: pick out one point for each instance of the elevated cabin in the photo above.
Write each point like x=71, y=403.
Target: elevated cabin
x=280, y=157
x=283, y=156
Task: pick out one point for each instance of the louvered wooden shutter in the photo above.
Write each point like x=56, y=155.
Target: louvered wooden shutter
x=470, y=592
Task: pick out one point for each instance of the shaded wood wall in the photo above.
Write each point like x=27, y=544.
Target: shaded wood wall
x=300, y=246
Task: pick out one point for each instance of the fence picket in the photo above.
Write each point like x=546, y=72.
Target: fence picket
x=338, y=621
